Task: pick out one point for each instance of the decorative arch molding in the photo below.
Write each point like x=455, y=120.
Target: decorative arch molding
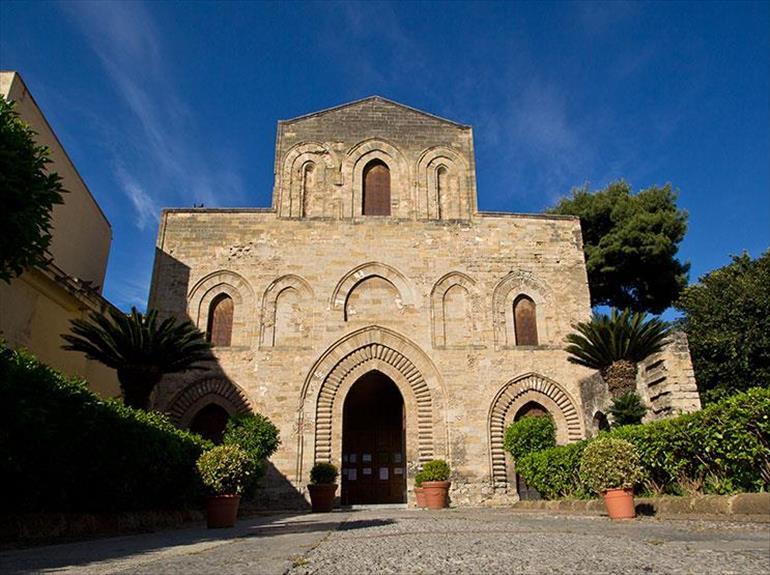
x=373, y=348
x=512, y=397
x=237, y=288
x=437, y=295
x=194, y=397
x=429, y=204
x=269, y=305
x=352, y=176
x=513, y=285
x=291, y=200
x=355, y=276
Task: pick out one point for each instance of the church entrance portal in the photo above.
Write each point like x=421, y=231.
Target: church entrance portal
x=373, y=442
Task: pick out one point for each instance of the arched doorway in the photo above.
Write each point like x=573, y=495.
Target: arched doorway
x=210, y=422
x=373, y=442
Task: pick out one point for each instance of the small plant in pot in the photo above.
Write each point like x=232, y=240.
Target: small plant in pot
x=435, y=484
x=225, y=471
x=612, y=468
x=322, y=487
x=419, y=492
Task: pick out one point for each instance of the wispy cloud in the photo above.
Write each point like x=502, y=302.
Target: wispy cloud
x=158, y=157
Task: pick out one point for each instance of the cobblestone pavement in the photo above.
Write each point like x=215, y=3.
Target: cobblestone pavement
x=419, y=542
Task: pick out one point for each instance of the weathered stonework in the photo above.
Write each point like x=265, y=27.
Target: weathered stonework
x=323, y=295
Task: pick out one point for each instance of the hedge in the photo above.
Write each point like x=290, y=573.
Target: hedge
x=64, y=449
x=722, y=449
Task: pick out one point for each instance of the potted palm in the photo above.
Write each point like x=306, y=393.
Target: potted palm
x=322, y=487
x=419, y=492
x=225, y=471
x=612, y=468
x=435, y=484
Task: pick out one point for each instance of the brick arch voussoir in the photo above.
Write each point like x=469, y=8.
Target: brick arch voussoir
x=509, y=394
x=180, y=408
x=356, y=361
x=356, y=275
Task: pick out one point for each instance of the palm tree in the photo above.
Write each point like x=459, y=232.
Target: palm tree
x=615, y=344
x=140, y=348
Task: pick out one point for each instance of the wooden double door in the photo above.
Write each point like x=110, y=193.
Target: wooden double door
x=373, y=442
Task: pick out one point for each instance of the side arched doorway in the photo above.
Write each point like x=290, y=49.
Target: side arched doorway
x=373, y=442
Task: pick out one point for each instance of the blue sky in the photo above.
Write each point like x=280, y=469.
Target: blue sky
x=167, y=104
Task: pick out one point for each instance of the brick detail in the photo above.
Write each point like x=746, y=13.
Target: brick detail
x=191, y=399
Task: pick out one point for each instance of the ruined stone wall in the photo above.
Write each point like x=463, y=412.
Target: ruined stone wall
x=318, y=302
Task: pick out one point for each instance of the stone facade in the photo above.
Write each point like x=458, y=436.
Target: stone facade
x=323, y=294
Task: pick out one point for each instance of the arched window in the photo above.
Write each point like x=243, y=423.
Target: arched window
x=220, y=326
x=376, y=197
x=442, y=189
x=530, y=409
x=525, y=321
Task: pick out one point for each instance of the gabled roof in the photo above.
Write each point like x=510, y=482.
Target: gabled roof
x=374, y=99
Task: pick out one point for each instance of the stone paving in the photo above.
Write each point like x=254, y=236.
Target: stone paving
x=420, y=542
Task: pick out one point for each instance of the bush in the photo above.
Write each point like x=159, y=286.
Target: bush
x=257, y=435
x=724, y=448
x=554, y=472
x=528, y=435
x=610, y=463
x=419, y=477
x=323, y=473
x=64, y=449
x=627, y=409
x=435, y=470
x=226, y=469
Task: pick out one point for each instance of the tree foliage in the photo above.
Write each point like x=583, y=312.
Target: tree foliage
x=28, y=192
x=727, y=320
x=529, y=434
x=627, y=409
x=614, y=344
x=630, y=244
x=139, y=347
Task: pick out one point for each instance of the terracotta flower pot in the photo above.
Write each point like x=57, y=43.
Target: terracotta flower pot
x=419, y=495
x=619, y=503
x=322, y=496
x=436, y=494
x=222, y=511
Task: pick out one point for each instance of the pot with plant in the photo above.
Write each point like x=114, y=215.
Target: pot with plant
x=612, y=468
x=225, y=471
x=435, y=484
x=322, y=487
x=419, y=492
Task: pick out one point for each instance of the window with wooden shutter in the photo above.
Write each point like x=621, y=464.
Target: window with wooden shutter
x=220, y=325
x=525, y=321
x=376, y=196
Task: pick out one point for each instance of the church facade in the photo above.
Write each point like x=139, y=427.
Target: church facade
x=378, y=318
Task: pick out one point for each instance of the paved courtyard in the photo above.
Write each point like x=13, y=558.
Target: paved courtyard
x=407, y=541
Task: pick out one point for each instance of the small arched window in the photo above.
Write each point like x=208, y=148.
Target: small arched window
x=530, y=409
x=525, y=321
x=219, y=331
x=376, y=196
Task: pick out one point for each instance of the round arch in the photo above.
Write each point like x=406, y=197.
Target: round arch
x=217, y=390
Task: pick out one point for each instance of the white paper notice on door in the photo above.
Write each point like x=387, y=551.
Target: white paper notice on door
x=398, y=471
x=383, y=472
x=352, y=474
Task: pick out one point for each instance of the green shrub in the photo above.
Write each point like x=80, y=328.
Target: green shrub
x=724, y=448
x=253, y=432
x=419, y=478
x=323, y=473
x=65, y=449
x=627, y=409
x=554, y=472
x=435, y=470
x=528, y=435
x=226, y=469
x=610, y=463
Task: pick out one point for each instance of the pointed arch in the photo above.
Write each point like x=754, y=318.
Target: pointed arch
x=457, y=202
x=371, y=269
x=357, y=158
x=215, y=390
x=216, y=285
x=516, y=284
x=438, y=309
x=289, y=197
x=515, y=394
x=373, y=348
x=270, y=301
